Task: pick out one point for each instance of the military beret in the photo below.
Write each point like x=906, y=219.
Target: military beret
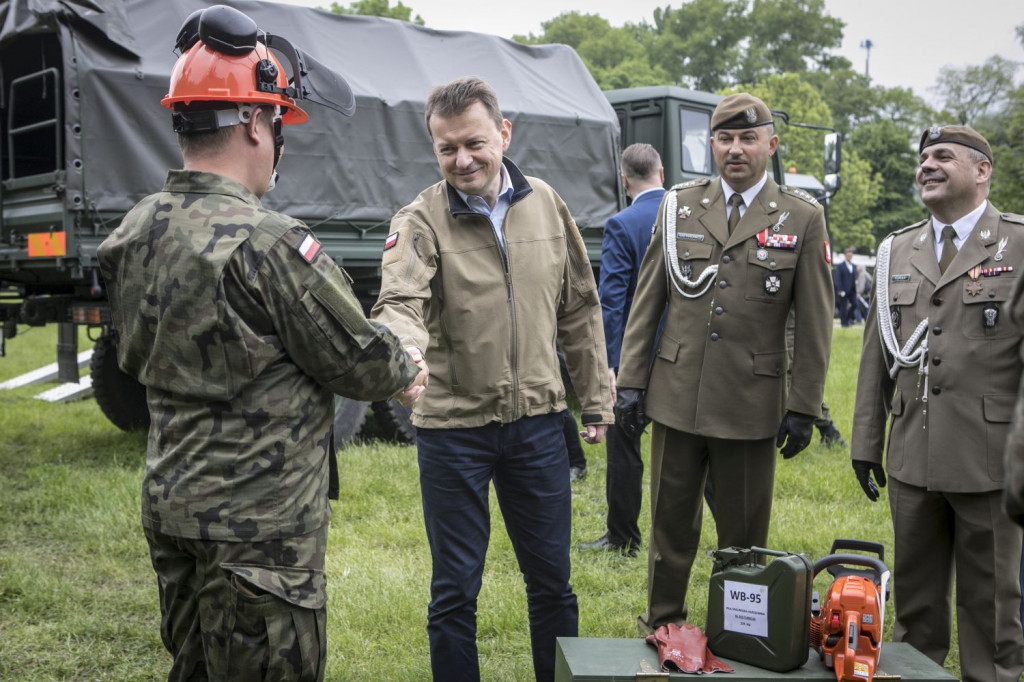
x=965, y=135
x=738, y=111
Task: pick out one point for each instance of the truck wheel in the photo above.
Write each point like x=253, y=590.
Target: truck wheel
x=121, y=398
x=395, y=421
x=349, y=416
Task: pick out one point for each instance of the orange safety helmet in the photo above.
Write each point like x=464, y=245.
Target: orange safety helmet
x=222, y=60
x=203, y=74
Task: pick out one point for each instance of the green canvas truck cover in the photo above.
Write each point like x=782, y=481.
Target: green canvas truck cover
x=117, y=56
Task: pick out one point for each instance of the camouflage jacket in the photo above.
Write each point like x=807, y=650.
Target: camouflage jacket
x=240, y=330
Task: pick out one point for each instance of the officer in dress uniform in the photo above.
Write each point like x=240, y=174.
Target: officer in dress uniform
x=941, y=357
x=728, y=257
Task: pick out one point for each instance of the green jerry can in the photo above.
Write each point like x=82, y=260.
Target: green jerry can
x=760, y=613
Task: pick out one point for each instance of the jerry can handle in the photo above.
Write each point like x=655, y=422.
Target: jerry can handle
x=771, y=552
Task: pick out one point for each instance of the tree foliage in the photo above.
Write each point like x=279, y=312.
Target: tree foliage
x=891, y=148
x=378, y=8
x=1005, y=133
x=615, y=57
x=973, y=91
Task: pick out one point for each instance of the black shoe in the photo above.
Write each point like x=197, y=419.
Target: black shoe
x=605, y=545
x=831, y=438
x=577, y=473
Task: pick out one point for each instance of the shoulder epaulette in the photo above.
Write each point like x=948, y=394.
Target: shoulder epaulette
x=909, y=228
x=799, y=193
x=700, y=182
x=1013, y=218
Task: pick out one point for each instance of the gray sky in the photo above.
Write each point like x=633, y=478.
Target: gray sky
x=911, y=39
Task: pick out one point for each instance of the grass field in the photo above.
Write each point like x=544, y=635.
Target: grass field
x=78, y=598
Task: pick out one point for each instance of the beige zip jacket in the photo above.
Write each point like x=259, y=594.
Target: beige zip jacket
x=488, y=321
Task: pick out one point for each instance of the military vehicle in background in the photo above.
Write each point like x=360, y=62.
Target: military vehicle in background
x=83, y=137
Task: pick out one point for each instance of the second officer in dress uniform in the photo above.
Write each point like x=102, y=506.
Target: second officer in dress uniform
x=729, y=256
x=940, y=367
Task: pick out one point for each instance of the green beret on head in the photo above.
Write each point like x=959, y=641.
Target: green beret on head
x=740, y=111
x=965, y=135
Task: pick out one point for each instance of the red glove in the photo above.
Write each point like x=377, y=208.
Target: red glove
x=685, y=649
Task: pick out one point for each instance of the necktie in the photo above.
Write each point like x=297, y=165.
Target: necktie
x=948, y=247
x=736, y=200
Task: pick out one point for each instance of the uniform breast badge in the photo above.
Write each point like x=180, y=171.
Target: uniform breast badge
x=782, y=219
x=772, y=284
x=762, y=254
x=684, y=212
x=989, y=316
x=1001, y=250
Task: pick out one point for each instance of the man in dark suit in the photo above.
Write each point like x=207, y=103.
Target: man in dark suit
x=846, y=289
x=939, y=373
x=728, y=259
x=626, y=235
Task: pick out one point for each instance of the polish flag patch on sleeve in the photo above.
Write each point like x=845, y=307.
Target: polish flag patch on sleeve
x=391, y=241
x=309, y=248
x=828, y=253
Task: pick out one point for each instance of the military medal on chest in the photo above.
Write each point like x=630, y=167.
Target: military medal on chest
x=772, y=284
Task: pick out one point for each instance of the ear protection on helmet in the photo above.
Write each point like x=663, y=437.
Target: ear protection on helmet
x=226, y=58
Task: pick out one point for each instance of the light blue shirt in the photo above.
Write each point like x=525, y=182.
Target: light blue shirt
x=478, y=204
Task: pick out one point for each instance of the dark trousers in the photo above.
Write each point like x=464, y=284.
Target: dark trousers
x=846, y=309
x=527, y=462
x=623, y=487
x=941, y=539
x=742, y=474
x=577, y=458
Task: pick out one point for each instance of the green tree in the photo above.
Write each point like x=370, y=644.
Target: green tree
x=789, y=36
x=699, y=43
x=1005, y=133
x=378, y=8
x=973, y=91
x=891, y=149
x=615, y=56
x=850, y=212
x=849, y=94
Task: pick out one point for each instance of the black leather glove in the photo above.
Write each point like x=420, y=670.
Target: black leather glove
x=795, y=431
x=864, y=469
x=629, y=411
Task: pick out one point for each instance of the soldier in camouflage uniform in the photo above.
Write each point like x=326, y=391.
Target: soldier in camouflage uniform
x=241, y=332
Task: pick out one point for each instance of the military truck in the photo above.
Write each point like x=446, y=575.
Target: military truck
x=83, y=138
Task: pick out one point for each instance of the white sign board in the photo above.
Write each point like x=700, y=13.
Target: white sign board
x=746, y=608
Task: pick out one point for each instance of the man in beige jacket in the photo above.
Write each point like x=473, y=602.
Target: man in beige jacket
x=485, y=273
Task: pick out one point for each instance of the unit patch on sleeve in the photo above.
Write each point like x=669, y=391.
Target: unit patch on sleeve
x=391, y=241
x=309, y=248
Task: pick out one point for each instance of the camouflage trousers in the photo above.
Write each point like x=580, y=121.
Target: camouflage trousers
x=243, y=610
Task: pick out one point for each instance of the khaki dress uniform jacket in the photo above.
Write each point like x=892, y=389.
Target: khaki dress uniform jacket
x=716, y=388
x=720, y=366
x=945, y=440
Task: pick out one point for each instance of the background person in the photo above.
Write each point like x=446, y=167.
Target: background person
x=728, y=259
x=948, y=409
x=626, y=235
x=241, y=332
x=484, y=272
x=846, y=288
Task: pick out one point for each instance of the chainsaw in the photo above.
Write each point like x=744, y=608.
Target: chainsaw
x=847, y=630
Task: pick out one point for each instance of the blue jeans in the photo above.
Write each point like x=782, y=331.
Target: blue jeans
x=528, y=463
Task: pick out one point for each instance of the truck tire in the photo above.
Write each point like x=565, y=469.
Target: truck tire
x=121, y=398
x=349, y=416
x=395, y=421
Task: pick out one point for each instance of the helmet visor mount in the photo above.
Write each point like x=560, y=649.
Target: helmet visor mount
x=228, y=32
